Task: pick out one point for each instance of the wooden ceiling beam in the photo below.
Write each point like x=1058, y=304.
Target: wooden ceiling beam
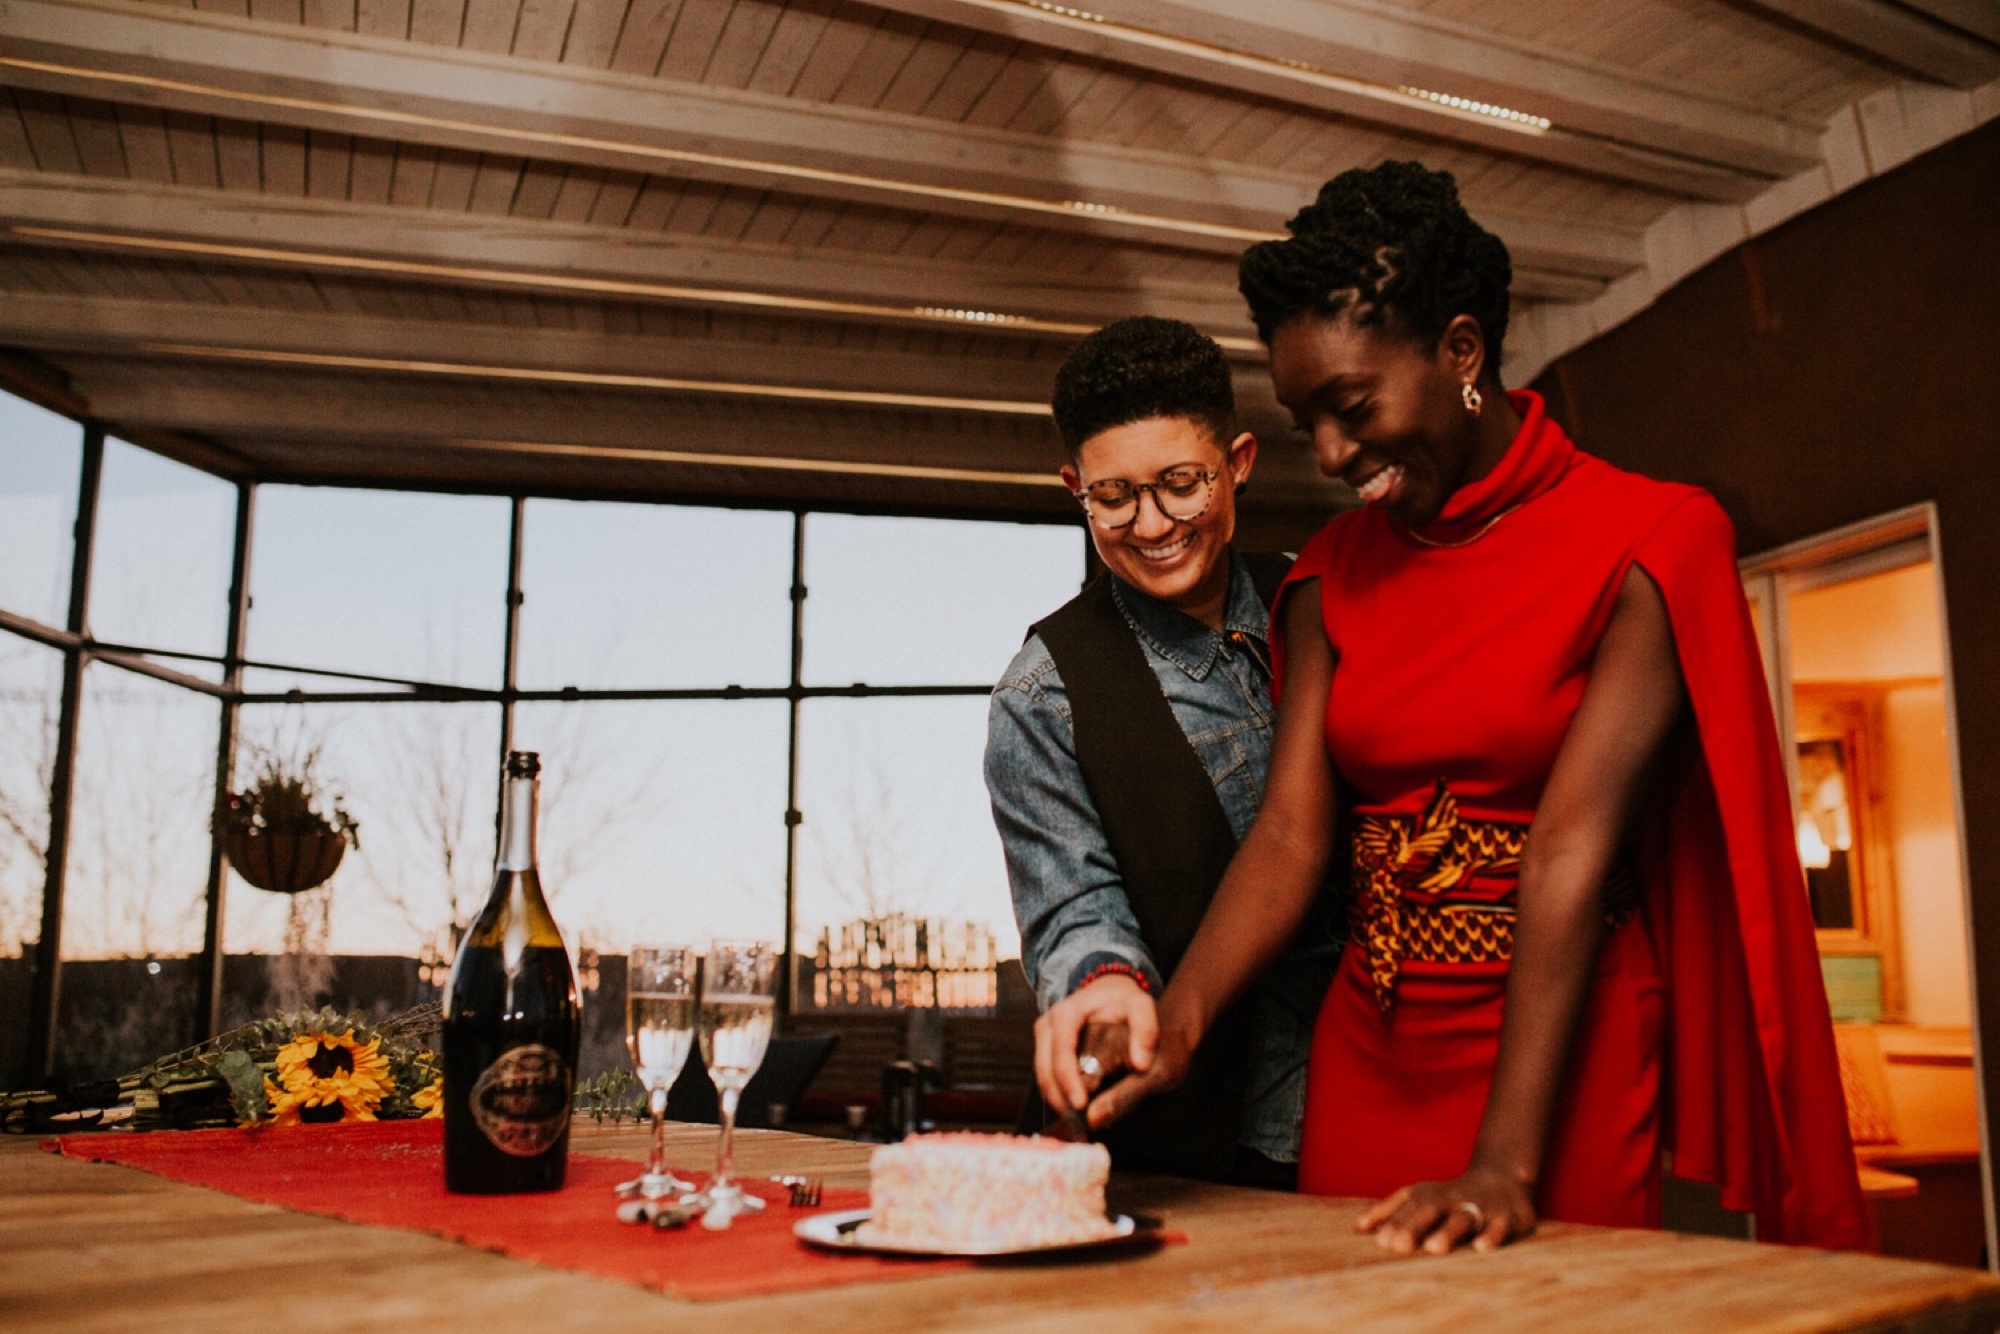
x=481, y=250
x=699, y=366
x=212, y=64
x=1383, y=52
x=91, y=213
x=1927, y=45
x=458, y=349
x=254, y=402
x=1232, y=67
x=1978, y=17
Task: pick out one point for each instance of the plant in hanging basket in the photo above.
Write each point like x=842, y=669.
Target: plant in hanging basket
x=285, y=832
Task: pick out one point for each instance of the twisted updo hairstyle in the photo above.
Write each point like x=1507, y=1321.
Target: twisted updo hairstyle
x=1390, y=245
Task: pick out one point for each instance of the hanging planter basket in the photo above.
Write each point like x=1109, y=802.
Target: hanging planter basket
x=285, y=863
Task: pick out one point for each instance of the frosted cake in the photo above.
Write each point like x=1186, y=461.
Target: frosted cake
x=986, y=1193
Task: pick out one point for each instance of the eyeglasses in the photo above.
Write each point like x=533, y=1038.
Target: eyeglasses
x=1182, y=494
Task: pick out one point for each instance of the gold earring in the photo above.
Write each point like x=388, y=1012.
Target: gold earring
x=1473, y=402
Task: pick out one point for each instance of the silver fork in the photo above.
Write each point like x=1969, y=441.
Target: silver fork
x=805, y=1191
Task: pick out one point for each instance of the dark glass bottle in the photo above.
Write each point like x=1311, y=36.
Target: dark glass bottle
x=511, y=1023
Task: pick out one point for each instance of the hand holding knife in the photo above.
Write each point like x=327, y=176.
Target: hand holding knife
x=1103, y=1059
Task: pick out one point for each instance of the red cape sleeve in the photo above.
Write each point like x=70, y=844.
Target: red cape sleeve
x=1315, y=560
x=1754, y=1094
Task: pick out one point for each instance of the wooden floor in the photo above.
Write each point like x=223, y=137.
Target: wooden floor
x=87, y=1247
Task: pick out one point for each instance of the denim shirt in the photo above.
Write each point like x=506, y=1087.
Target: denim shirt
x=1068, y=896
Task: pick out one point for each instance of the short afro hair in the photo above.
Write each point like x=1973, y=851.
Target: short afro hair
x=1389, y=245
x=1140, y=368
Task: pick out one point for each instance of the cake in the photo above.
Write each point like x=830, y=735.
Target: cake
x=986, y=1193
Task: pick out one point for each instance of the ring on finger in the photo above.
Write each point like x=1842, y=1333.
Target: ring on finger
x=1090, y=1065
x=1478, y=1214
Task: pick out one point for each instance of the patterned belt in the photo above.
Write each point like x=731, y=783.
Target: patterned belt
x=1433, y=854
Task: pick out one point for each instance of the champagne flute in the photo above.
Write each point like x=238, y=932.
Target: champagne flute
x=659, y=1031
x=738, y=1007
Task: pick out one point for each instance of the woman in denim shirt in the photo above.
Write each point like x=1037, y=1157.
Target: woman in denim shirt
x=1145, y=407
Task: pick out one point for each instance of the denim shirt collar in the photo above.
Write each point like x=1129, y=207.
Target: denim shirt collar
x=1180, y=638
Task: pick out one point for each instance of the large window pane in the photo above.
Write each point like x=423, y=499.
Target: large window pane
x=390, y=584
x=423, y=781
x=30, y=700
x=30, y=697
x=160, y=573
x=661, y=821
x=626, y=596
x=896, y=817
x=928, y=601
x=137, y=871
x=40, y=462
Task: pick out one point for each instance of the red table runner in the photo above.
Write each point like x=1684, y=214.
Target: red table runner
x=391, y=1174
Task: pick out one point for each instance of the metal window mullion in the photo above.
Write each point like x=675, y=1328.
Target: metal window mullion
x=788, y=976
x=510, y=656
x=208, y=1001
x=45, y=997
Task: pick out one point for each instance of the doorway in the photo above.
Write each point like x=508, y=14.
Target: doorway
x=1852, y=628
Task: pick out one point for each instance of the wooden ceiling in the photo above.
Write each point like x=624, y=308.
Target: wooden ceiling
x=830, y=251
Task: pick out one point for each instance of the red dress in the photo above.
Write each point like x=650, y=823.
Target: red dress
x=1458, y=668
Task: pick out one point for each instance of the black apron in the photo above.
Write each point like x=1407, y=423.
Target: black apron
x=1172, y=841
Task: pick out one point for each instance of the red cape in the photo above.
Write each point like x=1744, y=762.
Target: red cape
x=1754, y=1101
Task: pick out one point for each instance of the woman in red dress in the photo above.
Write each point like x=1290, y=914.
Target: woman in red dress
x=1521, y=694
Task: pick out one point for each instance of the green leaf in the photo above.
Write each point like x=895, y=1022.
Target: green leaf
x=246, y=1085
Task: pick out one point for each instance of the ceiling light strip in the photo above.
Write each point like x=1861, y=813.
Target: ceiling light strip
x=601, y=379
x=684, y=157
x=569, y=282
x=776, y=464
x=1297, y=71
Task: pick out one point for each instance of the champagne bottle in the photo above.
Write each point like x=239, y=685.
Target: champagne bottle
x=511, y=1023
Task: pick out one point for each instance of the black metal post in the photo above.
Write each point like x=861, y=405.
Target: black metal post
x=788, y=973
x=45, y=997
x=208, y=1002
x=510, y=657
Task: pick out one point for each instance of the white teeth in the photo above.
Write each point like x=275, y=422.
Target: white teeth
x=1167, y=552
x=1378, y=485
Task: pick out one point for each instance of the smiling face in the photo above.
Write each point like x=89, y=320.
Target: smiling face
x=1385, y=414
x=1182, y=562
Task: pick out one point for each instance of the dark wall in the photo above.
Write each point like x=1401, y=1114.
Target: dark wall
x=1839, y=367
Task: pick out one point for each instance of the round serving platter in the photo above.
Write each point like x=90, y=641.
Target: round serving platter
x=840, y=1231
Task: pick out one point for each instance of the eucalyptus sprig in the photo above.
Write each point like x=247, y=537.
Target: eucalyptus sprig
x=615, y=1094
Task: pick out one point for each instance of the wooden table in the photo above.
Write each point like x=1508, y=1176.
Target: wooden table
x=87, y=1246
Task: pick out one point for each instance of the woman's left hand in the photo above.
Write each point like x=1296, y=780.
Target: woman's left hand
x=1484, y=1207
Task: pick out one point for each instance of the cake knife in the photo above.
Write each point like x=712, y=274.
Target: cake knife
x=1107, y=1045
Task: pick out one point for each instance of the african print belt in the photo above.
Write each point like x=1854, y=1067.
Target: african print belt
x=1433, y=854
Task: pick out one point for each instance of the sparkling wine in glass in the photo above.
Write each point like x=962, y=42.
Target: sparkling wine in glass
x=659, y=1032
x=738, y=1007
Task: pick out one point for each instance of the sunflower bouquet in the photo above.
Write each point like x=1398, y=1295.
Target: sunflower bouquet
x=301, y=1067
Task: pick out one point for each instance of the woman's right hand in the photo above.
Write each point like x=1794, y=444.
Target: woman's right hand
x=1113, y=1001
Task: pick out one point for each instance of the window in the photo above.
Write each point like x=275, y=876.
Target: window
x=377, y=582
x=662, y=821
x=41, y=458
x=896, y=826
x=30, y=700
x=654, y=596
x=160, y=572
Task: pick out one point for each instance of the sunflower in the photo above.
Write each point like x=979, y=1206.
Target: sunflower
x=430, y=1099
x=326, y=1077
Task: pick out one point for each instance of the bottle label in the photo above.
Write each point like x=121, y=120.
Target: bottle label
x=521, y=1103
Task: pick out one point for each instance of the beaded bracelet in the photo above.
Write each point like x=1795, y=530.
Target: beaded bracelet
x=1122, y=969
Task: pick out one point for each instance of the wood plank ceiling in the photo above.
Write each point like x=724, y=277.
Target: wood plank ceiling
x=829, y=251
